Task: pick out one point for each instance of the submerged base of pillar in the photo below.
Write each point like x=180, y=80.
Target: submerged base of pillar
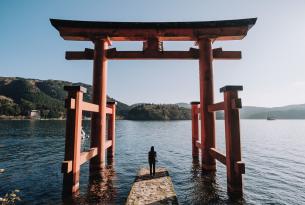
x=110, y=154
x=75, y=188
x=68, y=187
x=195, y=156
x=96, y=168
x=110, y=161
x=208, y=167
x=235, y=191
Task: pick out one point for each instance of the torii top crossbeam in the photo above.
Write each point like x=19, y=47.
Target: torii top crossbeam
x=164, y=31
x=152, y=34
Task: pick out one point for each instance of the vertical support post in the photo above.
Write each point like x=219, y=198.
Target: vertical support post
x=111, y=130
x=98, y=122
x=195, y=131
x=206, y=99
x=232, y=131
x=73, y=138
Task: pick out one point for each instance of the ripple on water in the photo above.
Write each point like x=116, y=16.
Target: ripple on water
x=31, y=153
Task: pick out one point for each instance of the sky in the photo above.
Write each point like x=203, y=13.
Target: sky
x=272, y=69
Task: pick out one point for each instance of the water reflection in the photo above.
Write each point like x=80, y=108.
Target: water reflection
x=100, y=189
x=31, y=153
x=206, y=189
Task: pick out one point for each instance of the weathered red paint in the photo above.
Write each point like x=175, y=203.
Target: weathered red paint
x=73, y=157
x=233, y=149
x=206, y=99
x=195, y=131
x=163, y=31
x=192, y=54
x=111, y=130
x=232, y=159
x=98, y=122
x=73, y=140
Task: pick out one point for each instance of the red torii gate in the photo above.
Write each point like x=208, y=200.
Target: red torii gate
x=152, y=34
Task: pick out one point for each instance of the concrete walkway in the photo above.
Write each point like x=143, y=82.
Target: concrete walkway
x=152, y=190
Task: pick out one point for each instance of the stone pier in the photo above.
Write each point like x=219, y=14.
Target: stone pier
x=152, y=190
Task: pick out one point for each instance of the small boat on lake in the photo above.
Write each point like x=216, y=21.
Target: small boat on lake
x=270, y=117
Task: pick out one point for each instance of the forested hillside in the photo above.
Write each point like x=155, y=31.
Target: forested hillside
x=18, y=96
x=159, y=112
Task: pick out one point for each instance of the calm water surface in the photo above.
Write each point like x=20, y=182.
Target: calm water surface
x=274, y=152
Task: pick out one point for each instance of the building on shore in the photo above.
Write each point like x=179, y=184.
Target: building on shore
x=34, y=114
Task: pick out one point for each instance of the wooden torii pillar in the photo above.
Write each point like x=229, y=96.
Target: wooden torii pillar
x=153, y=34
x=206, y=99
x=206, y=109
x=195, y=129
x=99, y=97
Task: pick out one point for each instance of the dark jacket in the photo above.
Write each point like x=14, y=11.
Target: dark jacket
x=152, y=155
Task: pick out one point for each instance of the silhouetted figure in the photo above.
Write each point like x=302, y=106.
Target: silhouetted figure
x=152, y=155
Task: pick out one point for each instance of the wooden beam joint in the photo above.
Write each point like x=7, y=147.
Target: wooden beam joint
x=70, y=104
x=219, y=54
x=87, y=54
x=240, y=167
x=216, y=107
x=150, y=54
x=86, y=156
x=108, y=144
x=236, y=103
x=66, y=166
x=90, y=107
x=217, y=155
x=153, y=44
x=108, y=110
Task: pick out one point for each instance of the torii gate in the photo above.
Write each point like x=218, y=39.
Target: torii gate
x=152, y=35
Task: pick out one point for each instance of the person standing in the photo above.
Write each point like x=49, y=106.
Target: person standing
x=152, y=155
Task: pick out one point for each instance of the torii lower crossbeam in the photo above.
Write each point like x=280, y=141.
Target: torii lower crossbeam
x=192, y=54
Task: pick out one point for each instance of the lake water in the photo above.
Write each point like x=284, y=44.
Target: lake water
x=274, y=152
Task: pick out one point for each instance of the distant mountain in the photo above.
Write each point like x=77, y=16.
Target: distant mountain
x=18, y=96
x=137, y=104
x=184, y=105
x=252, y=112
x=284, y=112
x=158, y=112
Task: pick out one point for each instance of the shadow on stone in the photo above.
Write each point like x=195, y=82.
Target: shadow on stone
x=148, y=177
x=169, y=200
